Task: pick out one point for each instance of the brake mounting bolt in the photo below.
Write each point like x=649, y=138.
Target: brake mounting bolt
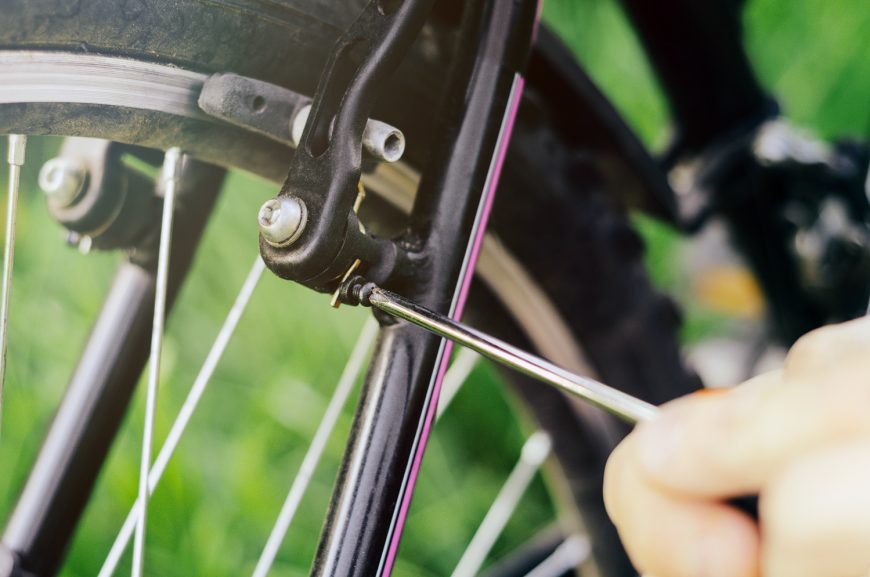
x=62, y=180
x=282, y=220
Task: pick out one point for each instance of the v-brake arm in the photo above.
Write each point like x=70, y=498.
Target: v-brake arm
x=322, y=238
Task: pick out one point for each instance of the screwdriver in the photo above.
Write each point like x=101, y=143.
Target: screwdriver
x=620, y=404
x=614, y=401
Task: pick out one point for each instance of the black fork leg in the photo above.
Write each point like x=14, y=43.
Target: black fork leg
x=52, y=501
x=697, y=51
x=377, y=477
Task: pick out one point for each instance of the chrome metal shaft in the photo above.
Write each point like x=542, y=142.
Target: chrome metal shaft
x=15, y=158
x=171, y=175
x=185, y=414
x=612, y=400
x=315, y=450
x=535, y=451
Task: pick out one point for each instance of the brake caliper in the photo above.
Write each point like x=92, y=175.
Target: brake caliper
x=310, y=232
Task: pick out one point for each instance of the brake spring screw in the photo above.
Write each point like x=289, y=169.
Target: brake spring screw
x=282, y=220
x=62, y=180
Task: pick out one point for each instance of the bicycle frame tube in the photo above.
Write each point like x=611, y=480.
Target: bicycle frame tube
x=697, y=51
x=392, y=424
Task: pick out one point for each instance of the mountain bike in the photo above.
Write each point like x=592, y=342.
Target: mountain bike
x=391, y=125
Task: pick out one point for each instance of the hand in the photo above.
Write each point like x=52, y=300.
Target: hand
x=799, y=438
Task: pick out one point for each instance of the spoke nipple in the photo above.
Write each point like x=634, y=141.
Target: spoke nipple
x=173, y=161
x=282, y=220
x=17, y=148
x=62, y=181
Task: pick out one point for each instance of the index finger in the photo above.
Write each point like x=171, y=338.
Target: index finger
x=730, y=445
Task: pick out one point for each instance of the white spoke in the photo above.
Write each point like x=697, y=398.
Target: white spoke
x=15, y=160
x=170, y=177
x=459, y=371
x=187, y=409
x=534, y=453
x=315, y=450
x=570, y=554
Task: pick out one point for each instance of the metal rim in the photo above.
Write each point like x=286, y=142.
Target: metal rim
x=69, y=78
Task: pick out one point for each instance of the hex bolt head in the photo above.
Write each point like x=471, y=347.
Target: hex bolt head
x=62, y=180
x=282, y=220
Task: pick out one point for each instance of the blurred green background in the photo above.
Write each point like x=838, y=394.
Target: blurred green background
x=214, y=508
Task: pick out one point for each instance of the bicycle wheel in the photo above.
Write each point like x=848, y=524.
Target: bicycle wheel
x=155, y=38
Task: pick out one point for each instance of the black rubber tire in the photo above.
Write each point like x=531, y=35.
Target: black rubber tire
x=284, y=42
x=552, y=211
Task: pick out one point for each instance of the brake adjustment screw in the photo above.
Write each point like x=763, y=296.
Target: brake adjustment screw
x=282, y=220
x=62, y=180
x=356, y=291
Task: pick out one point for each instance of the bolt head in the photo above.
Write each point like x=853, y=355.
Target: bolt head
x=62, y=180
x=282, y=220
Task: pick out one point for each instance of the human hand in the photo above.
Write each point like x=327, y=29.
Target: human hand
x=799, y=438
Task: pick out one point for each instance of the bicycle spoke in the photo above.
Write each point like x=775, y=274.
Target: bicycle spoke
x=190, y=404
x=170, y=176
x=315, y=450
x=15, y=160
x=570, y=554
x=459, y=371
x=535, y=451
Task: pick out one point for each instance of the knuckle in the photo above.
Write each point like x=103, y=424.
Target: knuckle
x=812, y=348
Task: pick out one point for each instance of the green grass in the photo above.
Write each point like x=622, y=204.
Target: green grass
x=213, y=510
x=222, y=492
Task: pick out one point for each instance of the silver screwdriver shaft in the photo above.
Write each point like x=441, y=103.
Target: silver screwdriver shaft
x=614, y=401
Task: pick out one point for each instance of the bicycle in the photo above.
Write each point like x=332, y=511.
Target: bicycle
x=169, y=87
